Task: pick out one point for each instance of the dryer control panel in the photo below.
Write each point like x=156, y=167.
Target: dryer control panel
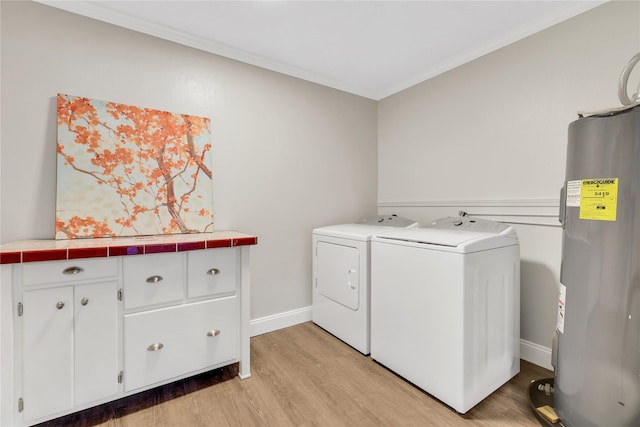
x=390, y=221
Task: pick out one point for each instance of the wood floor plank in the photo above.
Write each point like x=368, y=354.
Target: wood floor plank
x=302, y=376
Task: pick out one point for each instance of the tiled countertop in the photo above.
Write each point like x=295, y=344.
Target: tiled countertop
x=50, y=250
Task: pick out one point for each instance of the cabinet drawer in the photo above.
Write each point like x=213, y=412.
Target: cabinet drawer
x=36, y=273
x=153, y=279
x=211, y=272
x=169, y=342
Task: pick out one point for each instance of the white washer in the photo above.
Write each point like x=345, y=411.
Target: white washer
x=445, y=307
x=341, y=283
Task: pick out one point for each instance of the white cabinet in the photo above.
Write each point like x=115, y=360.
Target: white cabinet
x=83, y=332
x=167, y=335
x=70, y=344
x=69, y=337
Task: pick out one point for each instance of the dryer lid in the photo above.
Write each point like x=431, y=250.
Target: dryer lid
x=361, y=232
x=367, y=228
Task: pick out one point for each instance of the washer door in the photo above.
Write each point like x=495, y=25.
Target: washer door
x=337, y=273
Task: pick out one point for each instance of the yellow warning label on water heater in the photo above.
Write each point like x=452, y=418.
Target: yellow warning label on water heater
x=599, y=199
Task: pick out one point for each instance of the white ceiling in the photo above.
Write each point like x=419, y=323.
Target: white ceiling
x=369, y=48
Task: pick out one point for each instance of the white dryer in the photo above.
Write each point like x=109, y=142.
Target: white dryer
x=341, y=268
x=445, y=307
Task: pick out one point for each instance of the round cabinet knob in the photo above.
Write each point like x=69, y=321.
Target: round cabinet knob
x=213, y=333
x=154, y=279
x=60, y=305
x=84, y=301
x=213, y=272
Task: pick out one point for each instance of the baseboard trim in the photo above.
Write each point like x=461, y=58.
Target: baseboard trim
x=536, y=354
x=529, y=351
x=277, y=321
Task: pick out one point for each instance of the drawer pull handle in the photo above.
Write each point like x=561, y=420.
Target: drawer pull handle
x=84, y=301
x=213, y=333
x=213, y=271
x=154, y=279
x=60, y=305
x=155, y=346
x=72, y=270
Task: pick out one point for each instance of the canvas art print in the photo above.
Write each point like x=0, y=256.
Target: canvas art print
x=130, y=171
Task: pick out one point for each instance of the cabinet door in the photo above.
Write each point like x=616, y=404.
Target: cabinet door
x=96, y=341
x=47, y=351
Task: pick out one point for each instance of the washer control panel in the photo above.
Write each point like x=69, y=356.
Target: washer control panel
x=468, y=223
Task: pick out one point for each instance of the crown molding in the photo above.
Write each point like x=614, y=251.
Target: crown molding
x=97, y=12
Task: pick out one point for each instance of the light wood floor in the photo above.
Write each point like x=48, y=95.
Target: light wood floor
x=303, y=376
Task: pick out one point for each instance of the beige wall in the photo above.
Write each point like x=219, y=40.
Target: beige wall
x=489, y=137
x=288, y=155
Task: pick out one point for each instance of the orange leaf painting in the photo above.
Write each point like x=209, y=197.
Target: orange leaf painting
x=129, y=171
